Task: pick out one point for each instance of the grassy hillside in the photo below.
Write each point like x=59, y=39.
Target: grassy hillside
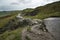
x=49, y=10
x=5, y=21
x=6, y=16
x=10, y=28
x=11, y=35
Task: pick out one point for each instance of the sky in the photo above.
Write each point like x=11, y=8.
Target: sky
x=7, y=5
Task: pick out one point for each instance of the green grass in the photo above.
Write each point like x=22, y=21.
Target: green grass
x=6, y=16
x=12, y=35
x=43, y=16
x=5, y=20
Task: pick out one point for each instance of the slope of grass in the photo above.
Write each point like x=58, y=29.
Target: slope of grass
x=5, y=19
x=12, y=35
x=6, y=16
x=49, y=10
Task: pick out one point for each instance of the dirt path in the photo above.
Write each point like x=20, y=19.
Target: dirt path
x=24, y=33
x=36, y=34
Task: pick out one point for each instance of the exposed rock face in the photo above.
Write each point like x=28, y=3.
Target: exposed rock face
x=53, y=26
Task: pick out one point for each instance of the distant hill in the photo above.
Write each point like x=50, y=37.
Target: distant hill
x=52, y=9
x=6, y=13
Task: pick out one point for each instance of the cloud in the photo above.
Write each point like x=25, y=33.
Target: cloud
x=25, y=1
x=22, y=4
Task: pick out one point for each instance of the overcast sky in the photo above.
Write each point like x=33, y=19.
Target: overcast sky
x=22, y=4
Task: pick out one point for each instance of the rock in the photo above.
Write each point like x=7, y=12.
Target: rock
x=37, y=21
x=53, y=26
x=19, y=16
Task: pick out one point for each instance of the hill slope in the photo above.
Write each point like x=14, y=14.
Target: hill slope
x=49, y=10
